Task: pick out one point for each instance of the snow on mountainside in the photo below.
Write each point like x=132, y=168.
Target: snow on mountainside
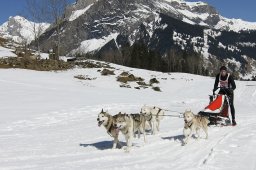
x=91, y=45
x=203, y=13
x=77, y=13
x=48, y=121
x=235, y=25
x=20, y=29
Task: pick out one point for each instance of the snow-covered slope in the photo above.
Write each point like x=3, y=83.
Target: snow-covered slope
x=92, y=45
x=5, y=52
x=21, y=30
x=48, y=121
x=235, y=24
x=78, y=13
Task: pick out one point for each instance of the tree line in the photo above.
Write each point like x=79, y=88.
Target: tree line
x=140, y=56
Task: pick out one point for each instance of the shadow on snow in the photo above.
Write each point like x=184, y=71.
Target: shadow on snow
x=102, y=145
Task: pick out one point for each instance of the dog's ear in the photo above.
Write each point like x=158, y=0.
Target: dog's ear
x=102, y=110
x=126, y=116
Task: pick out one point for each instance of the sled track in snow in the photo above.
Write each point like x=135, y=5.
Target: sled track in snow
x=231, y=133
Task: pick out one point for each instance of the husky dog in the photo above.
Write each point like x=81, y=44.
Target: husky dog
x=107, y=121
x=124, y=123
x=153, y=115
x=194, y=123
x=128, y=124
x=139, y=125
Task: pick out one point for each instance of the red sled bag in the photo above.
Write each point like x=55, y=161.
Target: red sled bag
x=217, y=110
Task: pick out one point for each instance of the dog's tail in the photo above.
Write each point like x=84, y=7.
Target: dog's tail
x=208, y=121
x=160, y=114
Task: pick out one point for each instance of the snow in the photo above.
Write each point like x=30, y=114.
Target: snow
x=94, y=44
x=5, y=53
x=66, y=58
x=177, y=38
x=78, y=13
x=195, y=4
x=235, y=24
x=251, y=64
x=192, y=15
x=187, y=14
x=188, y=21
x=206, y=46
x=142, y=10
x=190, y=4
x=44, y=56
x=185, y=9
x=233, y=48
x=150, y=28
x=48, y=121
x=234, y=62
x=166, y=6
x=222, y=46
x=247, y=44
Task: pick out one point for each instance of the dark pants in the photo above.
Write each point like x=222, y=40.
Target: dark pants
x=230, y=95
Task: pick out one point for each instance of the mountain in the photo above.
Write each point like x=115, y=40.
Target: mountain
x=102, y=27
x=20, y=29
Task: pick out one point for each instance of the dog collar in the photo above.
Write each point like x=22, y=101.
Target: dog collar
x=188, y=125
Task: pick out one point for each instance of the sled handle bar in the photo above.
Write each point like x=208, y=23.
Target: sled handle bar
x=225, y=88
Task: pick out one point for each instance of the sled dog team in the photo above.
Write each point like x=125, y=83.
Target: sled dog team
x=132, y=124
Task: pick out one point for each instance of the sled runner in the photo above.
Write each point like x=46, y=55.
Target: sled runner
x=217, y=111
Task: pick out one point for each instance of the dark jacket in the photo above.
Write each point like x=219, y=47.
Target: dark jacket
x=231, y=82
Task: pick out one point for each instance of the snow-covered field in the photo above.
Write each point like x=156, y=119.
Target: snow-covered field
x=48, y=121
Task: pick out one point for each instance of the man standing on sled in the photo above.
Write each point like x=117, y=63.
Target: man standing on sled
x=227, y=86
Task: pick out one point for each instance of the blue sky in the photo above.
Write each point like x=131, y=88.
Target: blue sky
x=244, y=9
x=229, y=8
x=13, y=8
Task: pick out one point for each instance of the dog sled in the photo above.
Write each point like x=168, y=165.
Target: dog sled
x=218, y=109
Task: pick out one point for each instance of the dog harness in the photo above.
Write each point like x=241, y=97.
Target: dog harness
x=150, y=117
x=109, y=126
x=223, y=83
x=188, y=125
x=159, y=110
